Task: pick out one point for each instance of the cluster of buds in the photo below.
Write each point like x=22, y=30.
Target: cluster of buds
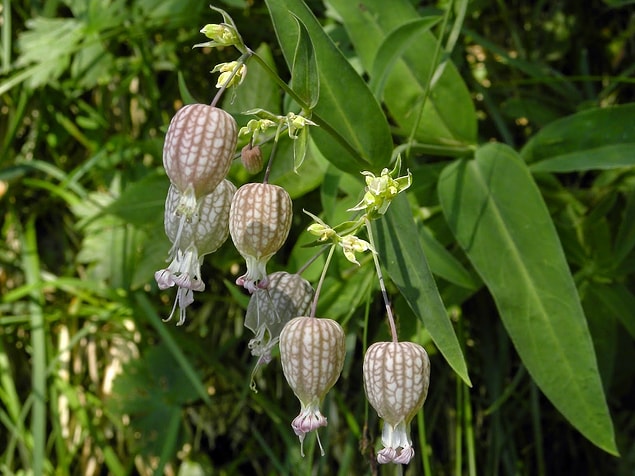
x=381, y=190
x=346, y=240
x=222, y=35
x=197, y=154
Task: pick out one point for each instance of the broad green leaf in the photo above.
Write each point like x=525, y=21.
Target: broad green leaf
x=610, y=156
x=588, y=133
x=142, y=203
x=400, y=251
x=443, y=263
x=448, y=116
x=305, y=80
x=312, y=171
x=353, y=133
x=499, y=218
x=393, y=47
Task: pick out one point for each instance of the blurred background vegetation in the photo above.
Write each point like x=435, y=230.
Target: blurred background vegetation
x=93, y=383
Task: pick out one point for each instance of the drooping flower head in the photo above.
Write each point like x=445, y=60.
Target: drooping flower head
x=259, y=223
x=312, y=354
x=286, y=296
x=396, y=379
x=192, y=239
x=198, y=151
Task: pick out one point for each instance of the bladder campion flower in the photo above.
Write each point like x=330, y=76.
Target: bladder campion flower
x=259, y=223
x=286, y=296
x=192, y=239
x=396, y=379
x=198, y=151
x=312, y=354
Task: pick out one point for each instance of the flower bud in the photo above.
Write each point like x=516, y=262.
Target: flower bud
x=312, y=354
x=259, y=222
x=396, y=378
x=251, y=158
x=198, y=148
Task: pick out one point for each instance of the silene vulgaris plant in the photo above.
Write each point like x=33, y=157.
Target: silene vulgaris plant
x=203, y=208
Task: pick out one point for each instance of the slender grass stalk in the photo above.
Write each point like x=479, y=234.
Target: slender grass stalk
x=164, y=334
x=458, y=426
x=6, y=36
x=537, y=428
x=318, y=289
x=31, y=266
x=12, y=418
x=468, y=423
x=423, y=444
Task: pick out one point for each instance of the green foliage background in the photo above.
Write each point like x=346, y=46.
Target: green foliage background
x=511, y=259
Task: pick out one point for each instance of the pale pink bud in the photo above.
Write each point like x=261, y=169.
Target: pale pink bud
x=251, y=158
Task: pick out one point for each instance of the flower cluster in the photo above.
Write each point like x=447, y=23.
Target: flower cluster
x=197, y=153
x=203, y=208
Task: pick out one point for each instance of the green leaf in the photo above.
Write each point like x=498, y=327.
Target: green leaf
x=142, y=203
x=400, y=251
x=186, y=95
x=353, y=132
x=443, y=263
x=499, y=218
x=588, y=134
x=610, y=156
x=305, y=80
x=393, y=47
x=448, y=116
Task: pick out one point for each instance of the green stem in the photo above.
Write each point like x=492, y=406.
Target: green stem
x=382, y=285
x=322, y=277
x=284, y=86
x=306, y=108
x=423, y=444
x=31, y=265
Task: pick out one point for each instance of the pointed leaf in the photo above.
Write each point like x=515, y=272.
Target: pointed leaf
x=353, y=132
x=393, y=47
x=305, y=80
x=398, y=245
x=499, y=218
x=448, y=116
x=586, y=133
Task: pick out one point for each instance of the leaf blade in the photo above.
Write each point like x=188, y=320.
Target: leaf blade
x=398, y=246
x=353, y=132
x=498, y=217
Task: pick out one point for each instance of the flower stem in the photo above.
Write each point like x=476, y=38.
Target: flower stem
x=382, y=285
x=322, y=277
